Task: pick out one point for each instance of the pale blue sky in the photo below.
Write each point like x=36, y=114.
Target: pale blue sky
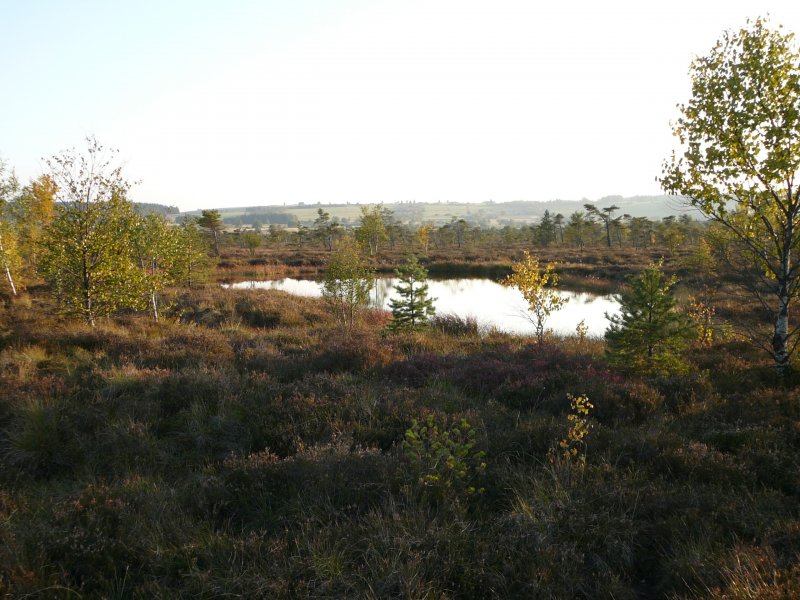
x=245, y=102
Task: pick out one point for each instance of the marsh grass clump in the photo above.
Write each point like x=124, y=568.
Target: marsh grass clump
x=456, y=326
x=36, y=437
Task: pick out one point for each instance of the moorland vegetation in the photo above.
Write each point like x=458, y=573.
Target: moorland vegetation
x=161, y=436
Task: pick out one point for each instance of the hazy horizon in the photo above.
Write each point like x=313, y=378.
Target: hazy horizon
x=609, y=197
x=265, y=103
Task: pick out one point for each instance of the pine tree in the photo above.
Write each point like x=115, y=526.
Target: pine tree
x=649, y=334
x=413, y=309
x=545, y=233
x=193, y=263
x=212, y=221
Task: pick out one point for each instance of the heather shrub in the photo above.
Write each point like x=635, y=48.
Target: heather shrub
x=205, y=316
x=286, y=423
x=263, y=490
x=626, y=401
x=355, y=351
x=260, y=354
x=493, y=373
x=92, y=538
x=209, y=430
x=178, y=390
x=283, y=460
x=685, y=391
x=382, y=414
x=257, y=313
x=124, y=445
x=697, y=462
x=522, y=442
x=375, y=319
x=189, y=347
x=418, y=369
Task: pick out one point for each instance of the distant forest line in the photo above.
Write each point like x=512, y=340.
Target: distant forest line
x=487, y=214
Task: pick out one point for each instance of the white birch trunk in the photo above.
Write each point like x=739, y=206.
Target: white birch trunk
x=7, y=268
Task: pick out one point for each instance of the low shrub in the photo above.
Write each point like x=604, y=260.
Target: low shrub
x=445, y=459
x=354, y=351
x=623, y=402
x=257, y=313
x=92, y=538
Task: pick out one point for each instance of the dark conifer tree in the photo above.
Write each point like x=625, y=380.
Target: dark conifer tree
x=413, y=309
x=649, y=334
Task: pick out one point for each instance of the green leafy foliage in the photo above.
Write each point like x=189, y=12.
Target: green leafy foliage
x=160, y=253
x=740, y=158
x=89, y=254
x=9, y=255
x=10, y=259
x=348, y=281
x=372, y=230
x=251, y=240
x=649, y=334
x=33, y=210
x=413, y=309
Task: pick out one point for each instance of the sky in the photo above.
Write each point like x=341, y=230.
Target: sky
x=246, y=102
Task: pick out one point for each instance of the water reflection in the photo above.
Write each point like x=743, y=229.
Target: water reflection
x=490, y=303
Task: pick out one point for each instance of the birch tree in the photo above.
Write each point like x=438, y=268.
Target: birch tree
x=739, y=159
x=348, y=281
x=9, y=255
x=538, y=287
x=159, y=249
x=33, y=210
x=88, y=254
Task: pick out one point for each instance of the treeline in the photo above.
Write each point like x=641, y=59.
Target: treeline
x=76, y=228
x=146, y=208
x=257, y=220
x=379, y=229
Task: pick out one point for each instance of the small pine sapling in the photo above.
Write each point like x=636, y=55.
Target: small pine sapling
x=413, y=308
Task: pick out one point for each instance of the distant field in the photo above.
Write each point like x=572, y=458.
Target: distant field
x=486, y=213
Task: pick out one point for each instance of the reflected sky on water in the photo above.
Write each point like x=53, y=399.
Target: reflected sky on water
x=490, y=303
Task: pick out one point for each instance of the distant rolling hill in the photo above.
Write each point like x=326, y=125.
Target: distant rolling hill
x=483, y=213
